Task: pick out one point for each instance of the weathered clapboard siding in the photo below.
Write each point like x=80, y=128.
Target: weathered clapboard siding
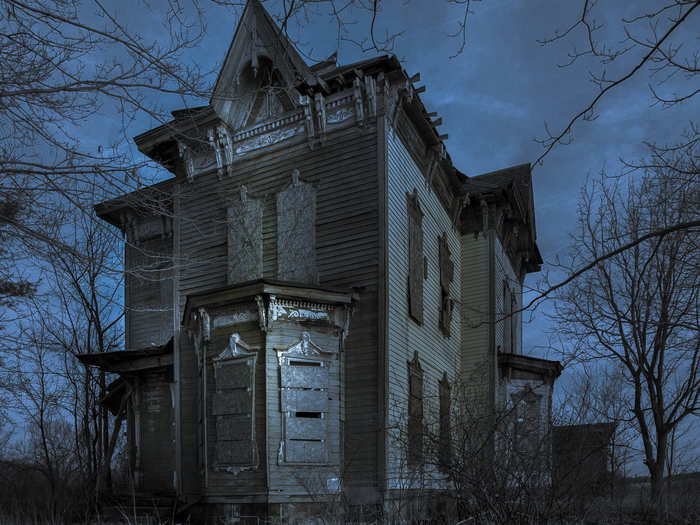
x=148, y=286
x=343, y=170
x=157, y=432
x=476, y=355
x=437, y=353
x=505, y=276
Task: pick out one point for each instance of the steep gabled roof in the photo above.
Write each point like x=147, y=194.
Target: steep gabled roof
x=257, y=37
x=518, y=178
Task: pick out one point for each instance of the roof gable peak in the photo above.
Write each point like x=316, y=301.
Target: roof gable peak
x=260, y=71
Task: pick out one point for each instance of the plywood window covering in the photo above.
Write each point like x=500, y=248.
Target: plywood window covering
x=233, y=408
x=245, y=240
x=445, y=438
x=446, y=276
x=415, y=413
x=304, y=404
x=416, y=260
x=296, y=232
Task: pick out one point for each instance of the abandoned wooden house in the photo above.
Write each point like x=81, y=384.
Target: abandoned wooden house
x=311, y=286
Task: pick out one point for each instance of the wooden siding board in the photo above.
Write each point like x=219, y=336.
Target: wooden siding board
x=437, y=353
x=475, y=319
x=344, y=172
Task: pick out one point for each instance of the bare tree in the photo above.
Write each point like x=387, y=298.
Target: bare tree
x=639, y=308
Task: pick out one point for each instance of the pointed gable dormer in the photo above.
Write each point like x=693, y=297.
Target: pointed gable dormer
x=260, y=72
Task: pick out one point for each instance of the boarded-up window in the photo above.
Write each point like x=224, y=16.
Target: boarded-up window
x=415, y=412
x=445, y=437
x=245, y=242
x=416, y=262
x=304, y=403
x=233, y=408
x=446, y=276
x=296, y=232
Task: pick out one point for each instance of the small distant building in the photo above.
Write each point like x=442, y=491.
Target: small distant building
x=582, y=459
x=316, y=278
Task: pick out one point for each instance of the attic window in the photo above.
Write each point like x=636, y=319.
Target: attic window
x=416, y=260
x=269, y=95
